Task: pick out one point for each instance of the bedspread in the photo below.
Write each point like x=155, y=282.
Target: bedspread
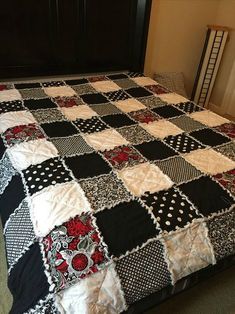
x=111, y=188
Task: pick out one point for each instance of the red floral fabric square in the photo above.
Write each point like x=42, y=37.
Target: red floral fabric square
x=97, y=78
x=123, y=156
x=227, y=128
x=157, y=89
x=22, y=133
x=68, y=101
x=227, y=180
x=73, y=251
x=143, y=116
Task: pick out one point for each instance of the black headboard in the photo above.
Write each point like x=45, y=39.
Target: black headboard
x=51, y=37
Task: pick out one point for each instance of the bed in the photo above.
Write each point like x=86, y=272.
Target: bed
x=114, y=191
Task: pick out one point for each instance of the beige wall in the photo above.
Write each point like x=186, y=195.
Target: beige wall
x=176, y=36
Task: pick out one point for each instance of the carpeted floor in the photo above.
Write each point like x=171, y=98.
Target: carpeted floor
x=215, y=296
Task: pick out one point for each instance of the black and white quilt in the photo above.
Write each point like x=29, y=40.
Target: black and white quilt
x=111, y=188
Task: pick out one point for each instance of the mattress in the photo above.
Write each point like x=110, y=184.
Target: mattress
x=113, y=189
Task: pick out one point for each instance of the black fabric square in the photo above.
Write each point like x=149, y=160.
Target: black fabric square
x=7, y=106
x=93, y=99
x=49, y=172
x=2, y=148
x=53, y=84
x=88, y=165
x=155, y=150
x=209, y=137
x=138, y=92
x=172, y=210
x=125, y=226
x=117, y=95
x=77, y=82
x=91, y=125
x=27, y=281
x=117, y=76
x=27, y=85
x=11, y=198
x=183, y=143
x=59, y=129
x=33, y=104
x=118, y=120
x=167, y=111
x=207, y=195
x=189, y=107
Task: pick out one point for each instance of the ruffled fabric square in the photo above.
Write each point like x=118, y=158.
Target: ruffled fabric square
x=142, y=81
x=208, y=118
x=9, y=95
x=11, y=119
x=129, y=105
x=105, y=86
x=78, y=112
x=161, y=128
x=59, y=91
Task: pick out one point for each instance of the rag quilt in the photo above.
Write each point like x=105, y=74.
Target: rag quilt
x=112, y=187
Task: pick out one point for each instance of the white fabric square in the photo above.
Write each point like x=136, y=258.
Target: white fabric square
x=31, y=153
x=55, y=205
x=59, y=91
x=11, y=119
x=107, y=139
x=208, y=118
x=144, y=81
x=9, y=95
x=172, y=98
x=78, y=112
x=99, y=293
x=209, y=161
x=161, y=128
x=105, y=86
x=144, y=177
x=129, y=105
x=188, y=250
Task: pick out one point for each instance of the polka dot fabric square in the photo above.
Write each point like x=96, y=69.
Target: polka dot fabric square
x=117, y=95
x=49, y=172
x=171, y=209
x=183, y=143
x=15, y=105
x=189, y=107
x=90, y=125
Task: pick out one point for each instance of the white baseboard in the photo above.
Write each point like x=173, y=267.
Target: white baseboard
x=216, y=109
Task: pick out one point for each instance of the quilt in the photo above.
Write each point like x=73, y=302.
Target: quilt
x=112, y=187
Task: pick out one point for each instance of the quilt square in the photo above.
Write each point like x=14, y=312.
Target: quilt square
x=222, y=234
x=123, y=156
x=172, y=98
x=15, y=118
x=135, y=134
x=68, y=102
x=78, y=112
x=171, y=209
x=209, y=137
x=7, y=106
x=161, y=128
x=2, y=148
x=122, y=234
x=10, y=95
x=152, y=102
x=49, y=172
x=129, y=105
x=117, y=95
x=117, y=120
x=182, y=143
x=189, y=107
x=33, y=93
x=137, y=92
x=76, y=81
x=105, y=109
x=143, y=81
x=227, y=128
x=53, y=83
x=107, y=139
x=80, y=251
x=126, y=83
x=92, y=99
x=168, y=111
x=214, y=200
x=178, y=169
x=89, y=165
x=104, y=191
x=227, y=149
x=135, y=74
x=187, y=124
x=22, y=133
x=117, y=76
x=209, y=161
x=27, y=85
x=47, y=115
x=5, y=86
x=155, y=150
x=59, y=91
x=74, y=145
x=143, y=272
x=105, y=86
x=34, y=104
x=144, y=177
x=59, y=129
x=188, y=250
x=143, y=116
x=227, y=180
x=157, y=89
x=208, y=118
x=84, y=89
x=91, y=125
x=98, y=78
